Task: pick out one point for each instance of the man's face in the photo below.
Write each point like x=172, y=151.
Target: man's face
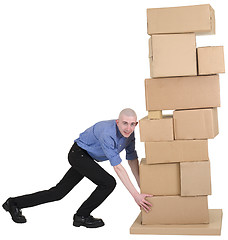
x=126, y=125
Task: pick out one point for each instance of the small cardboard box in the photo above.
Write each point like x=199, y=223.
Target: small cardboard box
x=199, y=19
x=173, y=55
x=177, y=210
x=176, y=151
x=196, y=123
x=182, y=92
x=155, y=114
x=160, y=179
x=210, y=60
x=195, y=178
x=156, y=129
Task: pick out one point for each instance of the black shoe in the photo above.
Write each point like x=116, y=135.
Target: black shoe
x=89, y=222
x=14, y=211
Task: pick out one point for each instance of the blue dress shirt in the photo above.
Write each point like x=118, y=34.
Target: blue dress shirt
x=103, y=141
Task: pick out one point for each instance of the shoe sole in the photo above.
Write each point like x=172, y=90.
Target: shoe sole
x=87, y=226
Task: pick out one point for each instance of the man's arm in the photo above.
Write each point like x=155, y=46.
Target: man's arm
x=134, y=165
x=139, y=198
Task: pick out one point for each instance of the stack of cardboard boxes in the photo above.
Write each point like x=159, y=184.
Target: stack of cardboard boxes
x=176, y=170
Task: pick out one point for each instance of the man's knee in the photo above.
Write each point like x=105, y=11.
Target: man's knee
x=56, y=193
x=111, y=183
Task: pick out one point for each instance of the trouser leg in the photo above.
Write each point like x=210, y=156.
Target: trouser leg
x=70, y=179
x=93, y=171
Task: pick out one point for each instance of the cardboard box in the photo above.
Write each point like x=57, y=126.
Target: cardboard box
x=210, y=60
x=160, y=179
x=173, y=55
x=195, y=178
x=155, y=114
x=156, y=129
x=196, y=123
x=212, y=228
x=151, y=66
x=176, y=210
x=150, y=47
x=182, y=92
x=176, y=151
x=199, y=19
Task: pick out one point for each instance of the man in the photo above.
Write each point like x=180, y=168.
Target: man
x=103, y=141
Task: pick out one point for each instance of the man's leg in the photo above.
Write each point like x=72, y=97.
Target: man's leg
x=13, y=205
x=105, y=185
x=70, y=179
x=93, y=171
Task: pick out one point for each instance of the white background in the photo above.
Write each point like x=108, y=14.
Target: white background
x=64, y=65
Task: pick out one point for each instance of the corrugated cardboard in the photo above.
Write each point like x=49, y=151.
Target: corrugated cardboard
x=182, y=92
x=151, y=66
x=160, y=179
x=150, y=47
x=196, y=123
x=176, y=151
x=156, y=129
x=173, y=55
x=210, y=60
x=155, y=114
x=213, y=228
x=195, y=178
x=199, y=19
x=176, y=210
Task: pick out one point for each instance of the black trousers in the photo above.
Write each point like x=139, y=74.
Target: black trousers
x=82, y=166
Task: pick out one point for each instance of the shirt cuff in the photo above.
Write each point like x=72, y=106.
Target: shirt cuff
x=115, y=160
x=132, y=156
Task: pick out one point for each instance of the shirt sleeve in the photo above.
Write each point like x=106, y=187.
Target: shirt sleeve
x=131, y=153
x=110, y=150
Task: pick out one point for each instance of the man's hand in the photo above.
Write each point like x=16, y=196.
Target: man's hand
x=139, y=198
x=142, y=202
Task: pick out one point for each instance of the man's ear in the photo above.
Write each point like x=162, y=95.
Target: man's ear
x=117, y=121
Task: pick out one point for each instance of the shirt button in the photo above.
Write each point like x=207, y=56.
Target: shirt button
x=120, y=145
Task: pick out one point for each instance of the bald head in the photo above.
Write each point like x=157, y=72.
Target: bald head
x=127, y=122
x=127, y=112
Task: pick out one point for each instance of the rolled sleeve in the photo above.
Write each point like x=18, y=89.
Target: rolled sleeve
x=132, y=156
x=115, y=160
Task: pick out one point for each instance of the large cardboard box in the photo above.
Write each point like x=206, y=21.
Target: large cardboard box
x=199, y=19
x=160, y=179
x=212, y=228
x=173, y=55
x=195, y=178
x=182, y=92
x=176, y=210
x=156, y=129
x=176, y=151
x=196, y=123
x=210, y=60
